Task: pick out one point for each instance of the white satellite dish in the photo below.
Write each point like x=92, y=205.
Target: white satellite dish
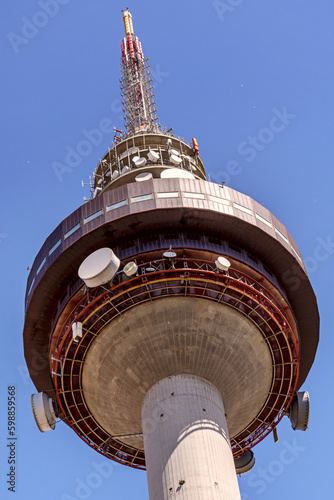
x=144, y=176
x=175, y=152
x=125, y=169
x=130, y=269
x=99, y=267
x=108, y=174
x=176, y=173
x=299, y=411
x=223, y=264
x=115, y=174
x=130, y=151
x=44, y=411
x=175, y=159
x=150, y=269
x=141, y=162
x=170, y=254
x=153, y=156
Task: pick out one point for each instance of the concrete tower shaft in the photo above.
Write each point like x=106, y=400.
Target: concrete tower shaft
x=186, y=440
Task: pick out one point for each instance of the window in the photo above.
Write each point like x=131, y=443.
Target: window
x=219, y=200
x=40, y=267
x=32, y=284
x=93, y=216
x=243, y=209
x=296, y=253
x=197, y=196
x=116, y=205
x=267, y=223
x=168, y=195
x=55, y=247
x=281, y=235
x=71, y=231
x=145, y=197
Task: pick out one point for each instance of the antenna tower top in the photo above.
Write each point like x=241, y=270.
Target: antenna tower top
x=127, y=20
x=140, y=114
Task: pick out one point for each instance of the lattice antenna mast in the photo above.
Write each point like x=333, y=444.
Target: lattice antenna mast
x=140, y=114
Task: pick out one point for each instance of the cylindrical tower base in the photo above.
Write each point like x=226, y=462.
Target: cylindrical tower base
x=186, y=442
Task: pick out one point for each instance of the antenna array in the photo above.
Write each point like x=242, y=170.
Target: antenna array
x=138, y=99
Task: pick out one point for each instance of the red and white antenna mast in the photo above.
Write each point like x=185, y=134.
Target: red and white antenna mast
x=140, y=114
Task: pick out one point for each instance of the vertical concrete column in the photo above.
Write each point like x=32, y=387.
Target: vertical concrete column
x=186, y=442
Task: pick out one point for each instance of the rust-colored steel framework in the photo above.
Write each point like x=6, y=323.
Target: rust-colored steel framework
x=185, y=277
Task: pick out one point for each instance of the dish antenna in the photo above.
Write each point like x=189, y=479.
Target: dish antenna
x=244, y=463
x=139, y=162
x=45, y=411
x=130, y=269
x=223, y=264
x=153, y=156
x=299, y=411
x=169, y=254
x=176, y=173
x=144, y=176
x=99, y=267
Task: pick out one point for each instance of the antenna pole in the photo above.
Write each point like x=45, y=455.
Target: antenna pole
x=140, y=114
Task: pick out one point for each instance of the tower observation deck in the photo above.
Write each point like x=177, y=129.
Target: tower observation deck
x=163, y=321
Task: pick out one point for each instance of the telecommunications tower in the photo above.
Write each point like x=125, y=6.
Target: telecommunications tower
x=169, y=320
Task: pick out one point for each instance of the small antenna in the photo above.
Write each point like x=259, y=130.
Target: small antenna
x=87, y=184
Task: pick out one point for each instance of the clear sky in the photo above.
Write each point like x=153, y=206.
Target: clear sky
x=222, y=70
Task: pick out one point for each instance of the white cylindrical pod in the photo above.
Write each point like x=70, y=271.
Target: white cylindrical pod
x=186, y=441
x=99, y=267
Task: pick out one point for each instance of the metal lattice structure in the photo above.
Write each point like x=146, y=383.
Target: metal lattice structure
x=185, y=278
x=139, y=109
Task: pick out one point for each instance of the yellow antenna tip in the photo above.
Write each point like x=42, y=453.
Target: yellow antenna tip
x=127, y=20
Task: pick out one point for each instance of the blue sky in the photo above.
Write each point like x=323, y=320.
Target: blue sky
x=222, y=71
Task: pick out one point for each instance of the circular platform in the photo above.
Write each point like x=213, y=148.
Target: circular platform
x=118, y=355
x=168, y=337
x=140, y=221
